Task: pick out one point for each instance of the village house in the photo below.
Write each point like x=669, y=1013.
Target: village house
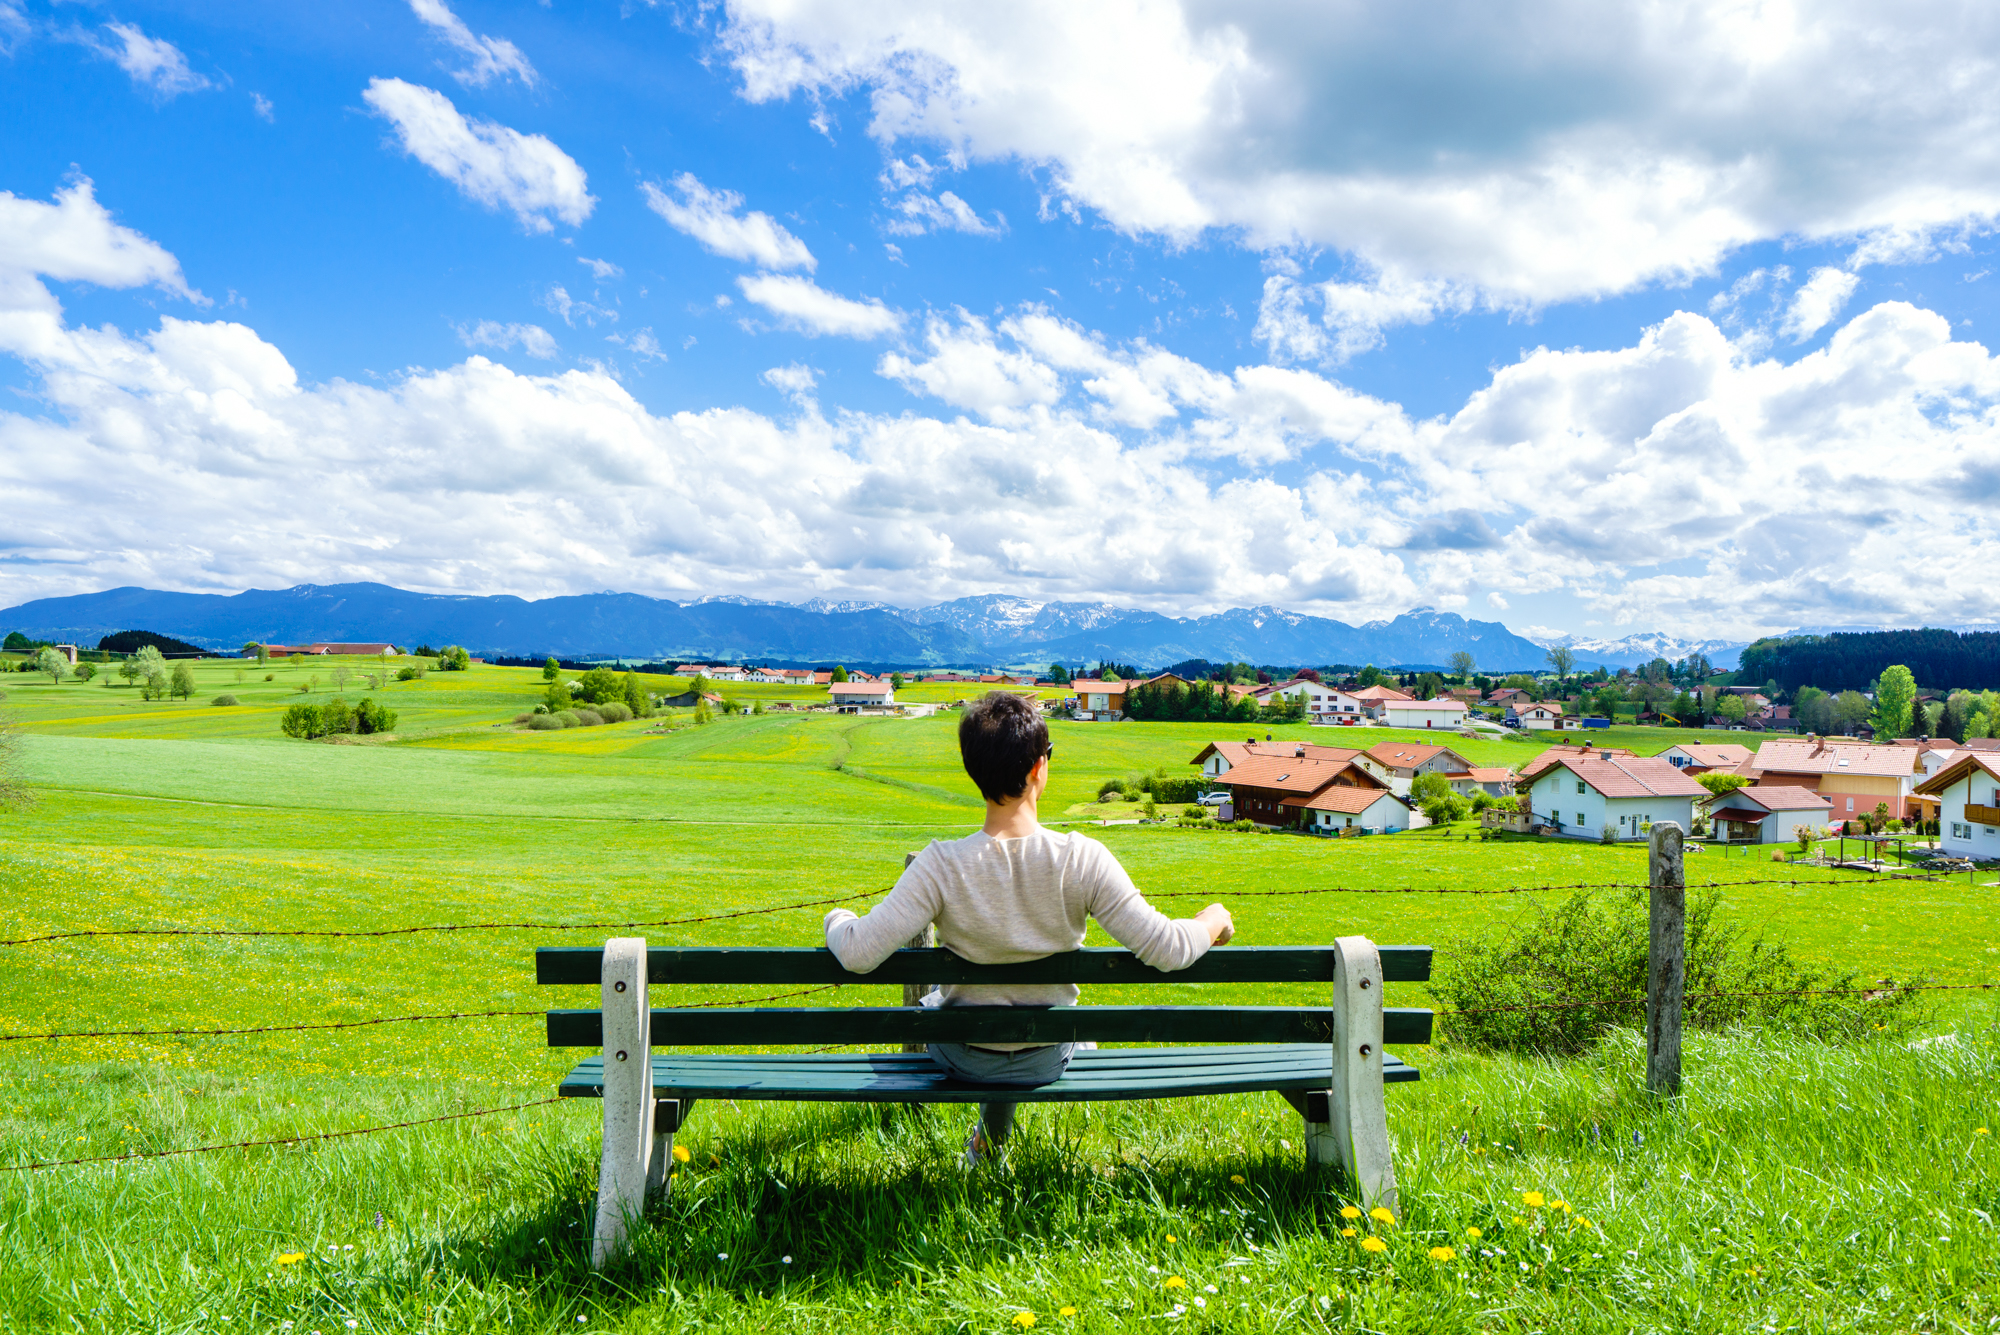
x=1443, y=713
x=1218, y=758
x=1507, y=696
x=851, y=696
x=1701, y=757
x=1331, y=705
x=1763, y=815
x=1397, y=765
x=1580, y=796
x=1855, y=776
x=1573, y=750
x=1103, y=700
x=1968, y=796
x=1272, y=786
x=1538, y=716
x=1375, y=698
x=1493, y=780
x=368, y=649
x=1339, y=807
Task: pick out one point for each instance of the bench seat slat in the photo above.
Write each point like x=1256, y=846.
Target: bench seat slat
x=912, y=1078
x=765, y=1025
x=581, y=965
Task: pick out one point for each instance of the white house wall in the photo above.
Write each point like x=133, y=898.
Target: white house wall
x=1956, y=834
x=1584, y=815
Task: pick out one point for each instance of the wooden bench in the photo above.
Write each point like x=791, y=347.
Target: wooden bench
x=1327, y=1061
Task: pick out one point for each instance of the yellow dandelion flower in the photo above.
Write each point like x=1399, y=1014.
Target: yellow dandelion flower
x=1532, y=1199
x=1519, y=1220
x=1172, y=1238
x=1982, y=1131
x=1474, y=1234
x=1066, y=1311
x=1349, y=1212
x=1346, y=1232
x=681, y=1154
x=1174, y=1282
x=1237, y=1178
x=1581, y=1222
x=1024, y=1319
x=1381, y=1216
x=1560, y=1205
x=1372, y=1244
x=290, y=1258
x=1443, y=1254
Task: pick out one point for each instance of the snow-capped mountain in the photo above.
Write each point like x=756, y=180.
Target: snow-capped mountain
x=1636, y=650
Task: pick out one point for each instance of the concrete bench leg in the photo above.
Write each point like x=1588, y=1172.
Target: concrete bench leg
x=1348, y=1124
x=629, y=1136
x=668, y=1114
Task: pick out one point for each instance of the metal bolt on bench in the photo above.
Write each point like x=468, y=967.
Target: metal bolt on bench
x=1326, y=1061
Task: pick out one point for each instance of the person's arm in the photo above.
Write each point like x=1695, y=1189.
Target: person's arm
x=1162, y=942
x=862, y=943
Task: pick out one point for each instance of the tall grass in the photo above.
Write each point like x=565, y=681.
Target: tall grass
x=1794, y=1186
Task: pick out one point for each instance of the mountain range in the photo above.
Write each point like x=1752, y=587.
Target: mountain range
x=991, y=629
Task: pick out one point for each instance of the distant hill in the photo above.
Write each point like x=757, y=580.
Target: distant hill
x=991, y=629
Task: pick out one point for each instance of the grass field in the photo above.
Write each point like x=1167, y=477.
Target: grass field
x=1794, y=1187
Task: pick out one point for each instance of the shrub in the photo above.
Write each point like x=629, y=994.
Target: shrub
x=523, y=718
x=589, y=718
x=1111, y=795
x=1607, y=833
x=1587, y=950
x=402, y=674
x=270, y=676
x=370, y=717
x=335, y=716
x=223, y=700
x=614, y=711
x=599, y=685
x=544, y=723
x=1197, y=812
x=1152, y=810
x=567, y=717
x=1245, y=824
x=300, y=720
x=1110, y=790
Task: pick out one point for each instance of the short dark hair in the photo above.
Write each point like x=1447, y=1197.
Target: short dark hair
x=1001, y=738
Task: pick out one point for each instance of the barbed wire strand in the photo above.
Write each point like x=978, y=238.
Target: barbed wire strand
x=1508, y=890
x=441, y=927
x=386, y=1019
x=281, y=1140
x=1860, y=993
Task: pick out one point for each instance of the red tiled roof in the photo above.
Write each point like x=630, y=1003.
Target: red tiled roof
x=1379, y=693
x=1104, y=686
x=1633, y=776
x=1714, y=755
x=1986, y=761
x=860, y=688
x=1559, y=750
x=1490, y=774
x=1290, y=774
x=1782, y=797
x=1339, y=797
x=1236, y=752
x=1404, y=755
x=1820, y=758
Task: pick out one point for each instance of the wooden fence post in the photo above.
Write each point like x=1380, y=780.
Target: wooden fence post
x=1666, y=958
x=913, y=993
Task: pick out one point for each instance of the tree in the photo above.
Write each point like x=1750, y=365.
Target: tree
x=839, y=673
x=1563, y=659
x=551, y=669
x=1059, y=674
x=1430, y=686
x=1814, y=709
x=1429, y=785
x=454, y=659
x=129, y=670
x=335, y=716
x=1895, y=695
x=301, y=721
x=1852, y=709
x=370, y=717
x=182, y=682
x=556, y=697
x=1719, y=781
x=895, y=681
x=51, y=664
x=85, y=671
x=17, y=643
x=1307, y=674
x=1461, y=663
x=255, y=650
x=1370, y=676
x=1607, y=700
x=636, y=698
x=599, y=685
x=1732, y=708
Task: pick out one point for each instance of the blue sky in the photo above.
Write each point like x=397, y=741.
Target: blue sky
x=1572, y=317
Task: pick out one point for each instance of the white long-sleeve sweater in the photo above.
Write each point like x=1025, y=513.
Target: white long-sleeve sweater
x=1005, y=901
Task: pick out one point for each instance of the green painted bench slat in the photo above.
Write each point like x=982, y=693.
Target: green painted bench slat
x=582, y=965
x=986, y=1024
x=912, y=1078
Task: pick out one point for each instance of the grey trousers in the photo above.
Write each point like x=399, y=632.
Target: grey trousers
x=1022, y=1070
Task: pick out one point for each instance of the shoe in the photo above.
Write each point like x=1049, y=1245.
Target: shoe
x=979, y=1149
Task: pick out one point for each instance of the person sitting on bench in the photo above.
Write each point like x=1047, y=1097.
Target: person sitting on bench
x=1010, y=893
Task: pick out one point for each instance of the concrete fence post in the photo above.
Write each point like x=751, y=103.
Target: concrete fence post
x=628, y=1096
x=1355, y=1132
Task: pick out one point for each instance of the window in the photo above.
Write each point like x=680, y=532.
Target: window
x=1850, y=804
x=1960, y=831
x=1579, y=787
x=1579, y=818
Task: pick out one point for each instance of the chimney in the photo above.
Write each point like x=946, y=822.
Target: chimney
x=1604, y=755
x=1299, y=752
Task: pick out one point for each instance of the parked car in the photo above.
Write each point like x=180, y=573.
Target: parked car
x=1214, y=799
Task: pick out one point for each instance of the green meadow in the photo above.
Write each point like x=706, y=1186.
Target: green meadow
x=1794, y=1186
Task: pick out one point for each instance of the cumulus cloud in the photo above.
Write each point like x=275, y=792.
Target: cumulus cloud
x=491, y=57
x=75, y=240
x=796, y=382
x=1667, y=475
x=1816, y=303
x=1514, y=154
x=530, y=338
x=917, y=213
x=154, y=64
x=710, y=217
x=497, y=166
x=801, y=304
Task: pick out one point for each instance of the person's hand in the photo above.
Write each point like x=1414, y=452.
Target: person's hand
x=1219, y=924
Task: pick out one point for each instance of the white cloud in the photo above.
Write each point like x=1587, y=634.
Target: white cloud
x=1817, y=302
x=601, y=270
x=796, y=382
x=75, y=240
x=262, y=106
x=154, y=64
x=1498, y=600
x=1512, y=154
x=1711, y=488
x=709, y=216
x=532, y=338
x=801, y=304
x=919, y=213
x=557, y=301
x=641, y=343
x=489, y=162
x=492, y=57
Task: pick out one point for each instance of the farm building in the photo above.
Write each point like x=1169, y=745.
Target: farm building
x=1262, y=785
x=1762, y=815
x=1103, y=700
x=1374, y=699
x=1538, y=716
x=849, y=696
x=1217, y=758
x=1397, y=765
x=1440, y=713
x=1968, y=795
x=1581, y=795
